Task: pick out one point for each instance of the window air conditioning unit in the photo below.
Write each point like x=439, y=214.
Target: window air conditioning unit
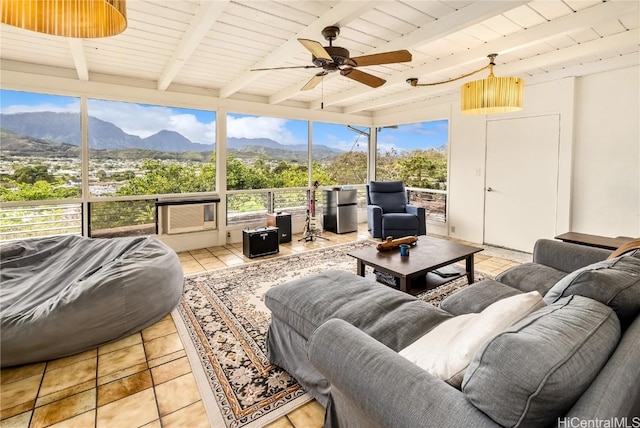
x=188, y=218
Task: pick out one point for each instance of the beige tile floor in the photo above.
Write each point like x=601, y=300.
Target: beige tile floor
x=145, y=380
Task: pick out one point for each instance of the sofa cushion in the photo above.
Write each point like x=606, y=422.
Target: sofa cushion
x=392, y=317
x=477, y=296
x=614, y=282
x=531, y=276
x=446, y=351
x=533, y=372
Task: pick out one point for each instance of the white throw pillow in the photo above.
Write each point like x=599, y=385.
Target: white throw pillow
x=447, y=350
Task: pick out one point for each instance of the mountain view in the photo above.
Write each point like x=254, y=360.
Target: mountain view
x=46, y=128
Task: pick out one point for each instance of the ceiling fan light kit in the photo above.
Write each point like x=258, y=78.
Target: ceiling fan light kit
x=335, y=58
x=67, y=18
x=489, y=95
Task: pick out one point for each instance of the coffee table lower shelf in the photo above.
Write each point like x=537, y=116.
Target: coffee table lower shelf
x=420, y=285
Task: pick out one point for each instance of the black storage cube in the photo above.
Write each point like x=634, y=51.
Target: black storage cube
x=260, y=242
x=283, y=222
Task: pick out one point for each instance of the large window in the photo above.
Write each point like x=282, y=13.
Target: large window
x=39, y=160
x=414, y=153
x=417, y=154
x=137, y=149
x=266, y=152
x=40, y=150
x=340, y=154
x=141, y=150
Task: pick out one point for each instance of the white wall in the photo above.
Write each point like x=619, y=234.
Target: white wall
x=466, y=175
x=606, y=177
x=468, y=150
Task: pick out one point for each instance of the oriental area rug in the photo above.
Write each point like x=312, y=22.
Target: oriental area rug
x=222, y=321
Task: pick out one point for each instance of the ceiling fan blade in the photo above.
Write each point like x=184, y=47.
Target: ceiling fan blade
x=316, y=49
x=381, y=58
x=283, y=68
x=362, y=77
x=314, y=81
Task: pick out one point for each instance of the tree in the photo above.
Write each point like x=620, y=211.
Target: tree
x=122, y=176
x=38, y=191
x=242, y=176
x=387, y=165
x=321, y=175
x=424, y=168
x=30, y=174
x=170, y=177
x=348, y=168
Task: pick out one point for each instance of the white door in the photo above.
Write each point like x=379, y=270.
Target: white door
x=521, y=181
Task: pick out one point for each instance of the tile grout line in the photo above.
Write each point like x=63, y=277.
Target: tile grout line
x=95, y=416
x=35, y=400
x=153, y=383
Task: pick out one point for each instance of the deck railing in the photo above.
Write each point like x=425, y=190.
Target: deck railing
x=434, y=201
x=35, y=219
x=251, y=206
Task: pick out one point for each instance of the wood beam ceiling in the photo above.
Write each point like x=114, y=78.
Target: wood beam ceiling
x=204, y=19
x=477, y=55
x=342, y=13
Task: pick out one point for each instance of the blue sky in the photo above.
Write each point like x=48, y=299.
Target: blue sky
x=199, y=126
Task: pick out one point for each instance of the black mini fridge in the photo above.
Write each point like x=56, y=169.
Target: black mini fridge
x=260, y=242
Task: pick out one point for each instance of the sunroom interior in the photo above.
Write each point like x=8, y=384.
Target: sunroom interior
x=568, y=161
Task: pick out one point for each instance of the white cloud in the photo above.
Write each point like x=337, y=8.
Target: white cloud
x=385, y=148
x=353, y=144
x=134, y=119
x=260, y=127
x=73, y=107
x=189, y=126
x=143, y=120
x=388, y=142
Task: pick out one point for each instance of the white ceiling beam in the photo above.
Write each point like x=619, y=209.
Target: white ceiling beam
x=615, y=63
x=448, y=24
x=343, y=13
x=605, y=44
x=204, y=19
x=563, y=25
x=77, y=51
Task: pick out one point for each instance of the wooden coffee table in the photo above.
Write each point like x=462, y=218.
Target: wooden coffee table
x=426, y=256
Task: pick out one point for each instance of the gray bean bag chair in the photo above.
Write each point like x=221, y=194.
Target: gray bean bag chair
x=65, y=294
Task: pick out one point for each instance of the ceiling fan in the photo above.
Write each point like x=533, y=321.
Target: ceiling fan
x=335, y=58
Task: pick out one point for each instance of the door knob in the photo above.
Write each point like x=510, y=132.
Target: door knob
x=489, y=189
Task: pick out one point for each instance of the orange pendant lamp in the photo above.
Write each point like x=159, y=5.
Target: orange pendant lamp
x=67, y=18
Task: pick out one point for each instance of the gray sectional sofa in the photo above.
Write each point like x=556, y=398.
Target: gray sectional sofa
x=576, y=359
